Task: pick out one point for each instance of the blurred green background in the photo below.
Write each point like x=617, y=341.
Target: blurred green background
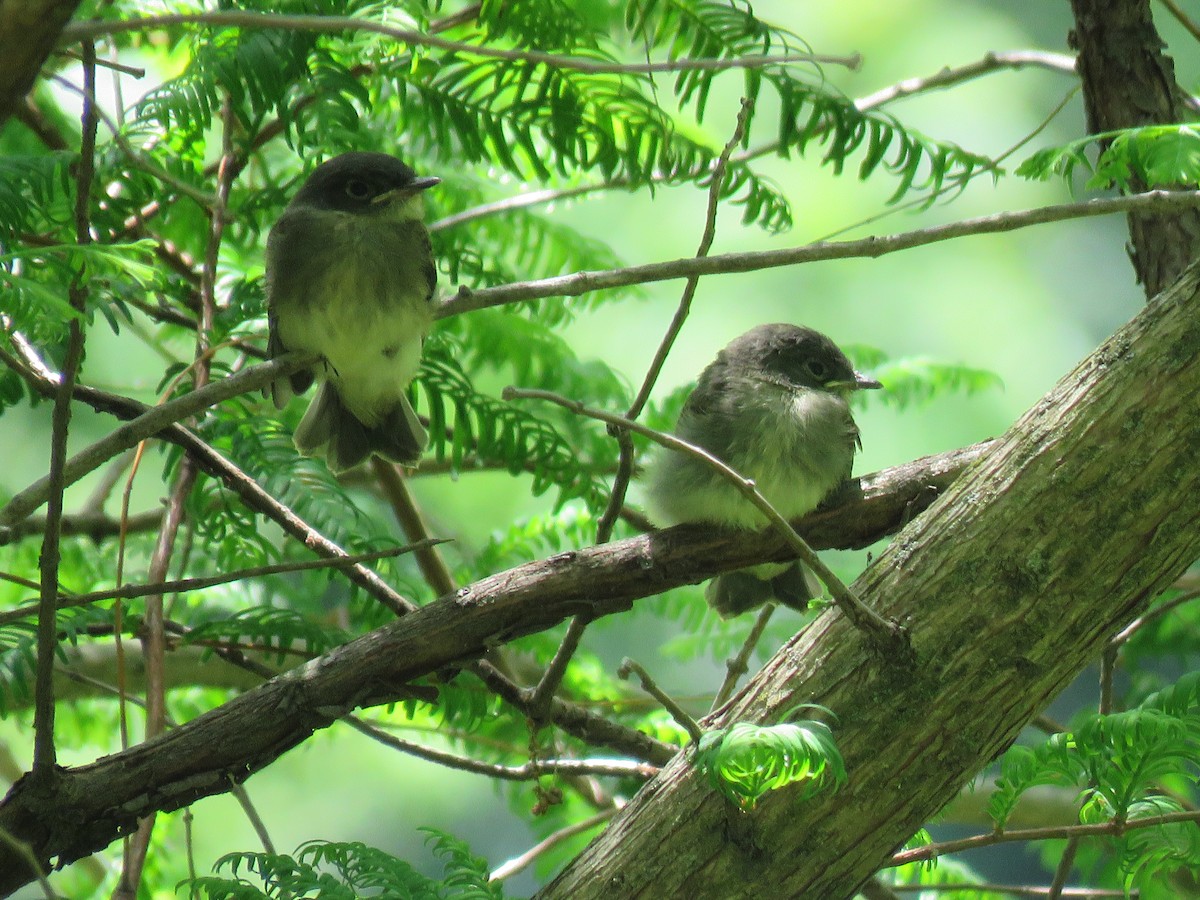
x=1026, y=306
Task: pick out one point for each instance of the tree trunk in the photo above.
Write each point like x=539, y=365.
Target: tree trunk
x=1009, y=585
x=1128, y=82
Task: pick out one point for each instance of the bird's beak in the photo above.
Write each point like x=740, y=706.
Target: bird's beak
x=863, y=383
x=421, y=183
x=860, y=383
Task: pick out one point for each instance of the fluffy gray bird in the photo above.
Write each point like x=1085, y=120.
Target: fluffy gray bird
x=350, y=275
x=774, y=407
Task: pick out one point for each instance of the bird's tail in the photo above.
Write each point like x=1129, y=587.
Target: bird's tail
x=738, y=592
x=331, y=430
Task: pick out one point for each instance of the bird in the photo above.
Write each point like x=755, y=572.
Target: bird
x=774, y=406
x=350, y=275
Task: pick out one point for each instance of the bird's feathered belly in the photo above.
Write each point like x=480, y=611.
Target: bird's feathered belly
x=796, y=449
x=367, y=314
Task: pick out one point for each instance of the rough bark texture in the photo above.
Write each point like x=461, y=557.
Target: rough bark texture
x=28, y=31
x=90, y=806
x=1010, y=585
x=1127, y=82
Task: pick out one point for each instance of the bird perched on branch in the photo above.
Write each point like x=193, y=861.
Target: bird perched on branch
x=350, y=276
x=774, y=406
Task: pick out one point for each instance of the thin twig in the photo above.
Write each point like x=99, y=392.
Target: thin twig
x=887, y=635
x=519, y=863
x=183, y=585
x=1182, y=18
x=1015, y=890
x=340, y=24
x=246, y=488
x=947, y=77
x=579, y=283
x=108, y=64
x=1114, y=828
x=578, y=721
x=539, y=697
x=153, y=636
x=433, y=567
x=616, y=498
x=1159, y=611
x=738, y=666
x=950, y=77
x=31, y=861
x=44, y=753
x=616, y=768
x=154, y=420
x=678, y=713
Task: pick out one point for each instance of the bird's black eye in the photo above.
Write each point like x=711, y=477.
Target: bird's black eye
x=819, y=370
x=357, y=189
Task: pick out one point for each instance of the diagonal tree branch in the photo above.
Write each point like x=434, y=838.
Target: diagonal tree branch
x=1010, y=585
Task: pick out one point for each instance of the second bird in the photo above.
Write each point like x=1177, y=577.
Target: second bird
x=774, y=406
x=350, y=276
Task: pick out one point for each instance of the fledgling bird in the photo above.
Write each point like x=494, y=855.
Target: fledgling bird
x=350, y=275
x=774, y=406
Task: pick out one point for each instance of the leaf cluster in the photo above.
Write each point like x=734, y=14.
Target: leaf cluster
x=1132, y=159
x=744, y=761
x=334, y=871
x=1123, y=764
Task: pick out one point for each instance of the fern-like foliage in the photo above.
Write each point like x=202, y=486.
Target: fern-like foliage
x=744, y=761
x=918, y=379
x=334, y=871
x=811, y=111
x=1120, y=763
x=1131, y=159
x=463, y=422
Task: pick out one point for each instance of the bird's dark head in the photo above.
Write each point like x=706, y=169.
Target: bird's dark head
x=365, y=183
x=796, y=356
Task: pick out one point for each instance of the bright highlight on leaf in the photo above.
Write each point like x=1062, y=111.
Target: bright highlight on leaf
x=1135, y=159
x=744, y=761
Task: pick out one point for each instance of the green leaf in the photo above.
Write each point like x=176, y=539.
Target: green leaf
x=745, y=761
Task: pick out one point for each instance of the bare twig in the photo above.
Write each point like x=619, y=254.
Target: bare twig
x=1182, y=18
x=582, y=723
x=245, y=487
x=132, y=591
x=678, y=713
x=153, y=636
x=625, y=463
x=1142, y=621
x=950, y=77
x=618, y=768
x=539, y=697
x=44, y=753
x=1114, y=828
x=148, y=424
x=1015, y=890
x=433, y=567
x=579, y=283
x=519, y=863
x=740, y=664
x=944, y=78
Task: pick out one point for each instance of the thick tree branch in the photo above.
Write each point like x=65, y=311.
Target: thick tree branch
x=1011, y=584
